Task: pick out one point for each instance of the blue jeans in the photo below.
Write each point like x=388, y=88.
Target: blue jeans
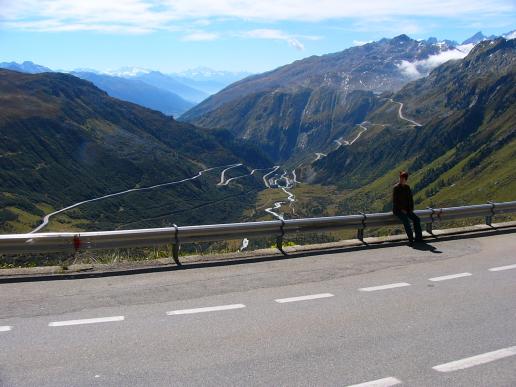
x=405, y=219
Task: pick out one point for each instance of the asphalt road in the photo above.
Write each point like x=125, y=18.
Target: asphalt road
x=442, y=317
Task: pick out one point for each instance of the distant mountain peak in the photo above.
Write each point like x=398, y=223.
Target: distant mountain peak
x=401, y=38
x=510, y=35
x=127, y=71
x=202, y=72
x=478, y=37
x=25, y=67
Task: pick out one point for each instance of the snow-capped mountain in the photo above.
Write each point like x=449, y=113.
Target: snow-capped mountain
x=127, y=72
x=303, y=107
x=206, y=73
x=510, y=35
x=193, y=84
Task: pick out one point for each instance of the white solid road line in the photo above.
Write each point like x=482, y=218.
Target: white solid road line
x=304, y=298
x=5, y=328
x=207, y=309
x=500, y=268
x=384, y=287
x=385, y=382
x=448, y=277
x=476, y=360
x=86, y=321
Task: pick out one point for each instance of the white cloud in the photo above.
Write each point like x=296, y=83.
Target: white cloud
x=145, y=15
x=275, y=35
x=309, y=10
x=420, y=68
x=409, y=69
x=200, y=36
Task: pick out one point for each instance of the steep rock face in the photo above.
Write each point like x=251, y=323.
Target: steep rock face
x=315, y=98
x=64, y=140
x=467, y=110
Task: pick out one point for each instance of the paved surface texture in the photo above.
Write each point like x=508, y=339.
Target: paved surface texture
x=441, y=315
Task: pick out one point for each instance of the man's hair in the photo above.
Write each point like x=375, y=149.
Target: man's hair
x=404, y=174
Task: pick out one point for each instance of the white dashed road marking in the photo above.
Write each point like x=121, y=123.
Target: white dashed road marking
x=86, y=321
x=500, y=268
x=384, y=287
x=207, y=309
x=449, y=277
x=385, y=382
x=304, y=298
x=476, y=360
x=5, y=328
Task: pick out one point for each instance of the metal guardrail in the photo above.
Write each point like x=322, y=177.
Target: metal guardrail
x=72, y=242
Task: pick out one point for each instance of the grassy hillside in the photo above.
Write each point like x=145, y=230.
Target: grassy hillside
x=64, y=141
x=465, y=150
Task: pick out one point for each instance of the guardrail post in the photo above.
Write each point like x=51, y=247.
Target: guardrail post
x=176, y=246
x=489, y=218
x=429, y=225
x=279, y=239
x=360, y=231
x=76, y=242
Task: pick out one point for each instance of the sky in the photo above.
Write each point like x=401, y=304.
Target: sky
x=232, y=35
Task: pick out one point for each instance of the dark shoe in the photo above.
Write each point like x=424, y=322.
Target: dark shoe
x=419, y=240
x=411, y=243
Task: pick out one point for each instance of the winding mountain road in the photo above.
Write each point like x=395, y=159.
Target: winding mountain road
x=46, y=218
x=223, y=173
x=401, y=116
x=223, y=182
x=227, y=181
x=267, y=181
x=291, y=199
x=319, y=155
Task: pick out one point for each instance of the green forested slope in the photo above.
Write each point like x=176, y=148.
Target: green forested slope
x=465, y=152
x=63, y=141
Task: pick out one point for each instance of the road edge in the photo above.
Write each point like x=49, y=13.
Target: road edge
x=50, y=273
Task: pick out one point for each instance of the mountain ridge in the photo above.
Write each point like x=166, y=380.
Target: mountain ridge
x=139, y=92
x=301, y=107
x=466, y=144
x=68, y=141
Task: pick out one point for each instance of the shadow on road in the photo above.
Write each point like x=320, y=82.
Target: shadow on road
x=423, y=246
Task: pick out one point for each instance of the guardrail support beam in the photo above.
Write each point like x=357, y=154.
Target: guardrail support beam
x=279, y=245
x=279, y=239
x=429, y=226
x=360, y=231
x=176, y=246
x=489, y=218
x=175, y=253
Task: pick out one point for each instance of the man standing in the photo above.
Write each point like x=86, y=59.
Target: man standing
x=403, y=208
